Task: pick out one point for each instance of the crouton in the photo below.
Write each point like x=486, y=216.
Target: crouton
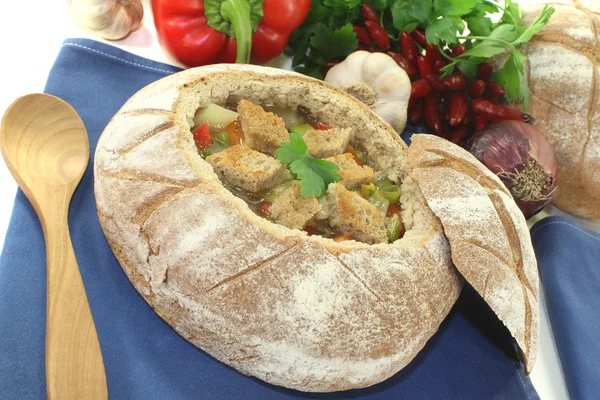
x=352, y=175
x=247, y=169
x=293, y=210
x=354, y=216
x=263, y=131
x=327, y=143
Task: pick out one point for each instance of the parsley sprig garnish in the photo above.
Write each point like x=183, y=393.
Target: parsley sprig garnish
x=327, y=34
x=313, y=174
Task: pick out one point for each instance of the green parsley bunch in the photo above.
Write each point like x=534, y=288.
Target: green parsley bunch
x=494, y=27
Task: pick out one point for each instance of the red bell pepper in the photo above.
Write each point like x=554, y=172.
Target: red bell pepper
x=196, y=32
x=202, y=136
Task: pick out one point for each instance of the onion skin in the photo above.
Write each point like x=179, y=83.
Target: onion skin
x=522, y=158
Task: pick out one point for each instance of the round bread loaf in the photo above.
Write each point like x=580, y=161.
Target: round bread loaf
x=304, y=312
x=564, y=78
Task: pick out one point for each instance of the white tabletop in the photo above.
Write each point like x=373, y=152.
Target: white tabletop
x=30, y=46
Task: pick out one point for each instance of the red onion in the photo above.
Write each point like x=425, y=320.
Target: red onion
x=522, y=158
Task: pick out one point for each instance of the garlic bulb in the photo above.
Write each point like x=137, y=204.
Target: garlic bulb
x=109, y=19
x=376, y=80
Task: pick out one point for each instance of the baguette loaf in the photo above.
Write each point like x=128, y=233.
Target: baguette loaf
x=304, y=312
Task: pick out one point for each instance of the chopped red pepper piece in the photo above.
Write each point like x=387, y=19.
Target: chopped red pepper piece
x=202, y=136
x=351, y=151
x=321, y=127
x=311, y=230
x=264, y=210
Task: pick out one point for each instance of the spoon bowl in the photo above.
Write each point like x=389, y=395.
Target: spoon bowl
x=50, y=128
x=46, y=148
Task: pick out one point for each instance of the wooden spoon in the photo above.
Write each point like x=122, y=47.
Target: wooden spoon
x=45, y=146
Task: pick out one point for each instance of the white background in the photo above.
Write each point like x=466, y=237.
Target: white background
x=31, y=34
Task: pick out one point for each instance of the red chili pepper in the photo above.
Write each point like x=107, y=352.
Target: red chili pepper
x=484, y=71
x=436, y=83
x=362, y=35
x=469, y=117
x=420, y=88
x=378, y=34
x=418, y=35
x=408, y=47
x=432, y=52
x=477, y=88
x=433, y=116
x=424, y=66
x=415, y=114
x=480, y=122
x=202, y=136
x=461, y=134
x=458, y=50
x=494, y=90
x=264, y=210
x=368, y=13
x=321, y=127
x=456, y=81
x=412, y=101
x=437, y=65
x=403, y=63
x=194, y=32
x=458, y=108
x=496, y=112
x=363, y=47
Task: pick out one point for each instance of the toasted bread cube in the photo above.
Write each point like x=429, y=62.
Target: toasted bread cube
x=293, y=210
x=354, y=216
x=352, y=175
x=263, y=131
x=327, y=143
x=248, y=169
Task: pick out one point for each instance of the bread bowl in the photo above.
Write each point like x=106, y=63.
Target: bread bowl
x=299, y=311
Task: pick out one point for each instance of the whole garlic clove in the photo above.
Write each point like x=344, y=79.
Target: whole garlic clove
x=108, y=19
x=376, y=80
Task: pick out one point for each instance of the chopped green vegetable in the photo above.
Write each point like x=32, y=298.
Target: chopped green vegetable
x=222, y=139
x=313, y=174
x=383, y=182
x=212, y=149
x=301, y=128
x=367, y=190
x=360, y=154
x=277, y=190
x=391, y=192
x=325, y=210
x=394, y=226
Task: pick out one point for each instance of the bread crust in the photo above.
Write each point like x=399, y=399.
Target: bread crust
x=302, y=312
x=564, y=76
x=488, y=234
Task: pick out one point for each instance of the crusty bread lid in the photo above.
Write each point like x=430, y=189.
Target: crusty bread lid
x=488, y=235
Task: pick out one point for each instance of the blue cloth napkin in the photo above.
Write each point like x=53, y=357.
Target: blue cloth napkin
x=569, y=262
x=470, y=357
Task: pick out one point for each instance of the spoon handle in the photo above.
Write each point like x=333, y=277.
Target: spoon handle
x=74, y=366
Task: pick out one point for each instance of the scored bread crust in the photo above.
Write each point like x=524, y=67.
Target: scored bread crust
x=487, y=232
x=563, y=72
x=298, y=311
